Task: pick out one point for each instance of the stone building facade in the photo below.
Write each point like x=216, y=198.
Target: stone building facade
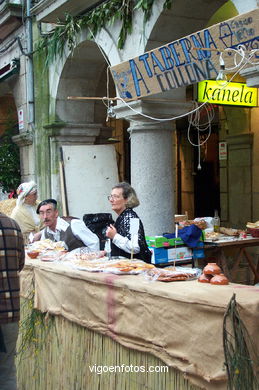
x=161, y=164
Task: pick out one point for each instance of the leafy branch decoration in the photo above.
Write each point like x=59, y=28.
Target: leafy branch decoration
x=66, y=31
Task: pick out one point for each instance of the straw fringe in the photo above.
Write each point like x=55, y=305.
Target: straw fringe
x=7, y=206
x=67, y=350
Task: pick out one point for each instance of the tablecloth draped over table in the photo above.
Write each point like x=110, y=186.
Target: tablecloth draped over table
x=180, y=322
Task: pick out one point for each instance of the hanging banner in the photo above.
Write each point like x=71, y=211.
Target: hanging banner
x=181, y=63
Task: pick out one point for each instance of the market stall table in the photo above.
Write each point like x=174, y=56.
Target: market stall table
x=121, y=320
x=239, y=245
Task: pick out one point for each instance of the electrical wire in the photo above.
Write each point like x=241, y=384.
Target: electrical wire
x=109, y=106
x=241, y=51
x=100, y=48
x=158, y=119
x=194, y=114
x=194, y=118
x=195, y=123
x=244, y=63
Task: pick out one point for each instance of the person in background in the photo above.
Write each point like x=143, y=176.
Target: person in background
x=74, y=233
x=11, y=263
x=24, y=212
x=123, y=199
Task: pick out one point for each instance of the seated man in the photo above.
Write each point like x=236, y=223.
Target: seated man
x=75, y=234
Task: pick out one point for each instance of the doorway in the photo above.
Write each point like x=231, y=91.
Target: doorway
x=198, y=190
x=206, y=179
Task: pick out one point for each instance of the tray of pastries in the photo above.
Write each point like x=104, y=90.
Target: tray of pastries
x=115, y=266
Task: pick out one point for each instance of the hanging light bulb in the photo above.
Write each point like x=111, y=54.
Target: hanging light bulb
x=221, y=77
x=110, y=111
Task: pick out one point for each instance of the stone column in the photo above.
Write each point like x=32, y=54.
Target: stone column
x=152, y=174
x=152, y=161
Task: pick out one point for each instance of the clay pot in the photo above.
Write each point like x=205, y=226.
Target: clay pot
x=212, y=269
x=219, y=279
x=204, y=278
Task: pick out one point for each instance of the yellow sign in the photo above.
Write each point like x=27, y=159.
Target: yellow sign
x=184, y=61
x=234, y=94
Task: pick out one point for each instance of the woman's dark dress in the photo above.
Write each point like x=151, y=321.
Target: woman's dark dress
x=122, y=226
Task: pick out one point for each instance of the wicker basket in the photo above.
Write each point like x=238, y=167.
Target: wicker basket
x=253, y=231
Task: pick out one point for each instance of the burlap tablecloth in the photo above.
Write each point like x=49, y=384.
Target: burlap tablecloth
x=179, y=322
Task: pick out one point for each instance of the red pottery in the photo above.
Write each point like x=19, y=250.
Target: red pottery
x=204, y=278
x=219, y=279
x=212, y=269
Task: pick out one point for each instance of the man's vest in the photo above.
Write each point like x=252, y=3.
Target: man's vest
x=68, y=237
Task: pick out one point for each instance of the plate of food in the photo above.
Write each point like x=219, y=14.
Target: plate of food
x=173, y=274
x=51, y=255
x=212, y=236
x=33, y=254
x=115, y=266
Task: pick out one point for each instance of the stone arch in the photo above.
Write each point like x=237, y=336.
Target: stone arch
x=179, y=21
x=83, y=74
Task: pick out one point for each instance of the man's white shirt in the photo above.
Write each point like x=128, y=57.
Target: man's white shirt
x=79, y=230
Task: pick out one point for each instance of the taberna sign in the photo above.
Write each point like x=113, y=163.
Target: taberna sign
x=234, y=94
x=180, y=63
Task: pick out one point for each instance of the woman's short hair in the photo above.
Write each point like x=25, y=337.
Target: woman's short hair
x=128, y=193
x=53, y=202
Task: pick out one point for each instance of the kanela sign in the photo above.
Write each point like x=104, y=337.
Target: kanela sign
x=235, y=94
x=178, y=63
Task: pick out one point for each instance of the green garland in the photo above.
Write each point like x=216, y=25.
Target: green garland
x=66, y=31
x=34, y=328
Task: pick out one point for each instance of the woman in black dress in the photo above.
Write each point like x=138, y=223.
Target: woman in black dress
x=123, y=199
